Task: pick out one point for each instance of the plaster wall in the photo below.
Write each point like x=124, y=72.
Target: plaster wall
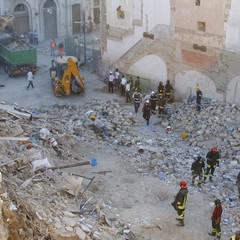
x=150, y=67
x=186, y=82
x=211, y=12
x=152, y=15
x=233, y=27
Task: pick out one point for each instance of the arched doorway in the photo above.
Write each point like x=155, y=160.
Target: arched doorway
x=50, y=19
x=76, y=18
x=21, y=20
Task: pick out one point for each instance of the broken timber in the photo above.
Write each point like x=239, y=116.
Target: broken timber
x=14, y=112
x=64, y=166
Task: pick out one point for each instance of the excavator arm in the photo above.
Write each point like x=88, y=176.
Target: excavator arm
x=70, y=79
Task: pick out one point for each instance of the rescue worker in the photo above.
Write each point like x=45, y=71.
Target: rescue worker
x=160, y=88
x=216, y=219
x=197, y=170
x=168, y=91
x=137, y=98
x=110, y=82
x=123, y=85
x=236, y=236
x=116, y=79
x=128, y=92
x=179, y=203
x=98, y=124
x=147, y=111
x=137, y=84
x=238, y=184
x=212, y=161
x=199, y=95
x=153, y=101
x=161, y=104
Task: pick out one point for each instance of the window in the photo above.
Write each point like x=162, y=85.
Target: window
x=197, y=2
x=201, y=26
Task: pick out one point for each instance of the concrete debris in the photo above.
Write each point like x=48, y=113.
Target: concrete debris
x=55, y=194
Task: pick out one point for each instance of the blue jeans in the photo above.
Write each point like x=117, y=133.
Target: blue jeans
x=103, y=129
x=136, y=107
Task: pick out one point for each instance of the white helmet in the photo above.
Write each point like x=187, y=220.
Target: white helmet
x=147, y=101
x=152, y=92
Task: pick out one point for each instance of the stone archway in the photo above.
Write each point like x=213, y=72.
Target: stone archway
x=21, y=19
x=186, y=82
x=233, y=96
x=150, y=67
x=50, y=19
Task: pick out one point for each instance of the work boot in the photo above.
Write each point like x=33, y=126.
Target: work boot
x=204, y=180
x=178, y=219
x=212, y=234
x=181, y=223
x=199, y=185
x=210, y=179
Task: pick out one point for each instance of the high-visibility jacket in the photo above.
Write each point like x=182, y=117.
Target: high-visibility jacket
x=181, y=198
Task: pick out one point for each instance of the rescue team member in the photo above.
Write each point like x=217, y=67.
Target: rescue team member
x=199, y=95
x=168, y=91
x=216, y=219
x=153, y=101
x=179, y=203
x=238, y=184
x=160, y=89
x=236, y=236
x=197, y=170
x=212, y=161
x=147, y=111
x=137, y=98
x=110, y=82
x=161, y=104
x=98, y=124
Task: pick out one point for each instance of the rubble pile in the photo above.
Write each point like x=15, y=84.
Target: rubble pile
x=51, y=203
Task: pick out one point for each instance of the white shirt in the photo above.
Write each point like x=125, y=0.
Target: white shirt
x=111, y=78
x=127, y=87
x=124, y=81
x=29, y=76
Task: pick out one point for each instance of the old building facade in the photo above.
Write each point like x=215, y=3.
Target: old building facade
x=189, y=42
x=52, y=18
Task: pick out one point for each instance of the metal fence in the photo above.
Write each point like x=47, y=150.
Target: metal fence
x=87, y=52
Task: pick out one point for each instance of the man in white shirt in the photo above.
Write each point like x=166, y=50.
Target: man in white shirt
x=30, y=78
x=110, y=82
x=128, y=92
x=123, y=85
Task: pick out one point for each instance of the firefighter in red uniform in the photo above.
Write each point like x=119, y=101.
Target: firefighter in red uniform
x=216, y=219
x=179, y=203
x=212, y=161
x=236, y=236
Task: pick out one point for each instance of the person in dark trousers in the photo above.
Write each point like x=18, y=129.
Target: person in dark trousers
x=161, y=104
x=212, y=161
x=137, y=98
x=236, y=236
x=110, y=82
x=216, y=219
x=197, y=170
x=128, y=92
x=153, y=101
x=179, y=203
x=117, y=79
x=147, y=111
x=60, y=49
x=137, y=84
x=238, y=184
x=199, y=95
x=30, y=78
x=160, y=88
x=168, y=91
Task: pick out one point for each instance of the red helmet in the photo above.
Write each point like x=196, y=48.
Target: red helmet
x=183, y=184
x=214, y=149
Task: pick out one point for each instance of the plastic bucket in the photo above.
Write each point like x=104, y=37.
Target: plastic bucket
x=93, y=162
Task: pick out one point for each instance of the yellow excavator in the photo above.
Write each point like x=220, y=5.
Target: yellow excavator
x=65, y=76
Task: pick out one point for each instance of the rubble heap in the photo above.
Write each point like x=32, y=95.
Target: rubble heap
x=43, y=203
